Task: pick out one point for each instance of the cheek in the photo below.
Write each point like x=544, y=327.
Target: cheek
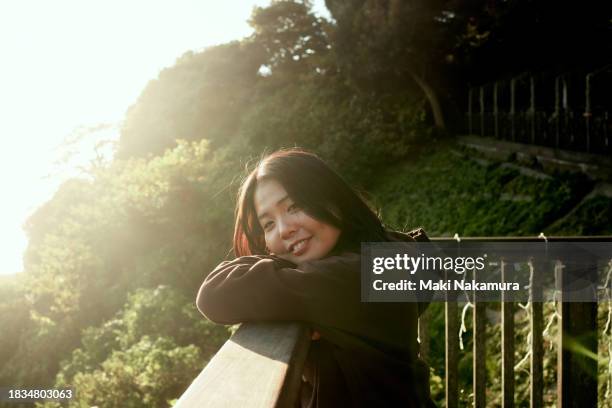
x=333, y=237
x=270, y=242
x=329, y=236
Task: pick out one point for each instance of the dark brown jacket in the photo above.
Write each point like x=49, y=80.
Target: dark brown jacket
x=367, y=354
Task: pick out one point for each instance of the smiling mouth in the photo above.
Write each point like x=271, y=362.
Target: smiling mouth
x=299, y=247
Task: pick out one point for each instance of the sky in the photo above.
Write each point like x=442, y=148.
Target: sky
x=70, y=66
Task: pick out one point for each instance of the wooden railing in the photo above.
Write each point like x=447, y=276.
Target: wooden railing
x=261, y=364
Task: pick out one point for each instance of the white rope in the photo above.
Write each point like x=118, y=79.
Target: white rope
x=524, y=359
x=527, y=305
x=608, y=290
x=607, y=281
x=555, y=314
x=552, y=318
x=528, y=308
x=607, y=326
x=463, y=328
x=609, y=381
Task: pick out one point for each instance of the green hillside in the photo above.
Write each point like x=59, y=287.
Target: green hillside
x=450, y=189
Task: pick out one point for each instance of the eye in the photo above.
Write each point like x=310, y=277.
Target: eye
x=293, y=208
x=268, y=225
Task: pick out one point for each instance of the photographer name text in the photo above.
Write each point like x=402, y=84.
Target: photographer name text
x=443, y=285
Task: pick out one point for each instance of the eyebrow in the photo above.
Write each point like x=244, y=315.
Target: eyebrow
x=260, y=216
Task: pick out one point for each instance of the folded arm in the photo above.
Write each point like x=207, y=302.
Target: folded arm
x=259, y=288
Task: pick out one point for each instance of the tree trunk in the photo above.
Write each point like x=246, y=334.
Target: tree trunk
x=433, y=100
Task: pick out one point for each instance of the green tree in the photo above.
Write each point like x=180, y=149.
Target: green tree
x=201, y=97
x=136, y=223
x=295, y=40
x=392, y=46
x=146, y=354
x=150, y=373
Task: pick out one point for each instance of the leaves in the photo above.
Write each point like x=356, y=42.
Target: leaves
x=148, y=353
x=294, y=39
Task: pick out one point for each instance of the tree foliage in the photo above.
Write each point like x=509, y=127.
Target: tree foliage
x=137, y=223
x=295, y=41
x=150, y=373
x=202, y=96
x=146, y=354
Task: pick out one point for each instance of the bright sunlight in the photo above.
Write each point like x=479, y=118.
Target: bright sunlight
x=69, y=71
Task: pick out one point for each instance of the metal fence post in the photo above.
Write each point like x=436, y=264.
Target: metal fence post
x=557, y=112
x=470, y=90
x=532, y=107
x=482, y=110
x=495, y=119
x=512, y=88
x=587, y=111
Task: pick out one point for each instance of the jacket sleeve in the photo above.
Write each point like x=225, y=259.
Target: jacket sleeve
x=260, y=288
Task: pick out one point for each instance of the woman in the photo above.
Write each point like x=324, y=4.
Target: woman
x=298, y=235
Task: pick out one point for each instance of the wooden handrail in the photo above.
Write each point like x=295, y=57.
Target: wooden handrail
x=259, y=366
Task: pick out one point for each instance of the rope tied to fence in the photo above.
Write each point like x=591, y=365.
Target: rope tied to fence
x=607, y=287
x=463, y=327
x=528, y=308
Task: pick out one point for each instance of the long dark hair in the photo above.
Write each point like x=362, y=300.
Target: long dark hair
x=317, y=189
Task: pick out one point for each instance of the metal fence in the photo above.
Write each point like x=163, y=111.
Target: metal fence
x=567, y=111
x=577, y=360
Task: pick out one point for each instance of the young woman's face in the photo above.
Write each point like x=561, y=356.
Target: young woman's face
x=290, y=233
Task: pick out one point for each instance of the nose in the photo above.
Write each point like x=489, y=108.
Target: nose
x=286, y=228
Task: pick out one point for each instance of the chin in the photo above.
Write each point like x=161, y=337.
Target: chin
x=309, y=257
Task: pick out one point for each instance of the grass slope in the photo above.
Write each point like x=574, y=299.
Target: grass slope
x=449, y=190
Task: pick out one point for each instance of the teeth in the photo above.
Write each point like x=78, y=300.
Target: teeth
x=299, y=245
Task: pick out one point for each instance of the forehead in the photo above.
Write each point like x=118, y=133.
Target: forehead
x=267, y=193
